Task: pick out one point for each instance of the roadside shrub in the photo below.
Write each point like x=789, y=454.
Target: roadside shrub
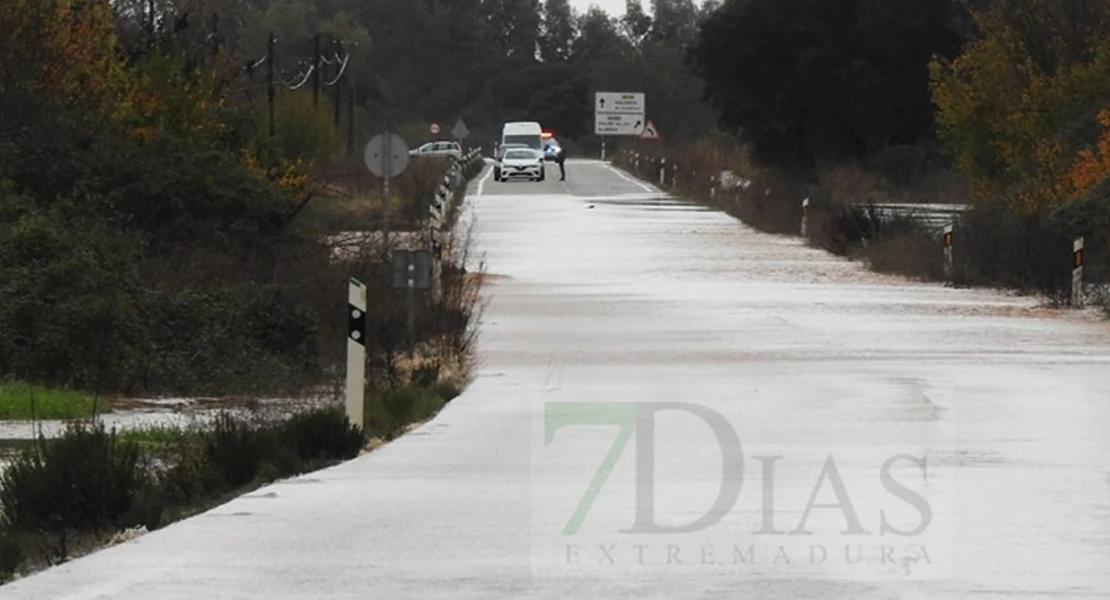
x=839, y=228
x=221, y=341
x=905, y=247
x=12, y=555
x=236, y=450
x=85, y=480
x=389, y=411
x=994, y=247
x=190, y=475
x=322, y=434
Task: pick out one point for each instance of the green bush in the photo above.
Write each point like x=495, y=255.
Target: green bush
x=12, y=555
x=323, y=434
x=66, y=285
x=389, y=411
x=84, y=480
x=221, y=341
x=236, y=450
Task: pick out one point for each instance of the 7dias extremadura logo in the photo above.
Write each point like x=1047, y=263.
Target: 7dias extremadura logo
x=859, y=503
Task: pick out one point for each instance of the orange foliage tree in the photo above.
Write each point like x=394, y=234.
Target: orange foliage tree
x=1019, y=125
x=65, y=49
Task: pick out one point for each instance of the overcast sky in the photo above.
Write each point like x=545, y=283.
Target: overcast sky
x=615, y=8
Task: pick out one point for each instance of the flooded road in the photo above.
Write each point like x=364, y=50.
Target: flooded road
x=671, y=405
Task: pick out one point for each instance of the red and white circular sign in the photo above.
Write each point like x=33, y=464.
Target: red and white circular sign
x=435, y=128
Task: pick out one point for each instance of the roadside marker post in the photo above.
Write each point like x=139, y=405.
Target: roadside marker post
x=662, y=171
x=356, y=351
x=1077, y=274
x=805, y=217
x=948, y=238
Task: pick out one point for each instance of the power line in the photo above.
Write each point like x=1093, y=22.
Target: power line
x=342, y=69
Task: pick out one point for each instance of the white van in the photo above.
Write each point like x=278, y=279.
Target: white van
x=528, y=133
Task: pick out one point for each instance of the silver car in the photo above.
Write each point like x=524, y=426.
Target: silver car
x=438, y=150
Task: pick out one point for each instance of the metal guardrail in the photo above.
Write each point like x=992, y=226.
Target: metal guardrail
x=940, y=218
x=932, y=215
x=441, y=204
x=935, y=216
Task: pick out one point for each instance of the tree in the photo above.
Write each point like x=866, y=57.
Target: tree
x=1018, y=109
x=558, y=31
x=805, y=81
x=674, y=22
x=635, y=24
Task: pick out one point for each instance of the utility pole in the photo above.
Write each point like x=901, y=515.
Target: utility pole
x=316, y=71
x=350, y=117
x=215, y=34
x=270, y=80
x=338, y=88
x=153, y=28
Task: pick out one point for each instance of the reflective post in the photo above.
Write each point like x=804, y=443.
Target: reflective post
x=1077, y=274
x=356, y=351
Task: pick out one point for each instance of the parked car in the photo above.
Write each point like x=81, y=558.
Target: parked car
x=501, y=153
x=438, y=150
x=521, y=163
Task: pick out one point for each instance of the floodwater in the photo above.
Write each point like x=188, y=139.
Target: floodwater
x=671, y=405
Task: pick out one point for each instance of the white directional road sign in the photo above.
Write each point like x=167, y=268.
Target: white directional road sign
x=618, y=124
x=620, y=103
x=619, y=113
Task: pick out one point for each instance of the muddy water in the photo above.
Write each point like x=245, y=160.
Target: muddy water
x=779, y=424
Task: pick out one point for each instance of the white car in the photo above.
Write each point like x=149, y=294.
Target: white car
x=438, y=150
x=521, y=163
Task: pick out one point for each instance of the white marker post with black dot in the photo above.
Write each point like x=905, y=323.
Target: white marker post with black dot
x=356, y=351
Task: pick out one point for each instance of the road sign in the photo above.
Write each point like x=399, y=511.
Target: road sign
x=376, y=153
x=619, y=103
x=435, y=129
x=650, y=132
x=618, y=124
x=460, y=131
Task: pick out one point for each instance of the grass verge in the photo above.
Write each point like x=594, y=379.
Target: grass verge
x=65, y=496
x=22, y=401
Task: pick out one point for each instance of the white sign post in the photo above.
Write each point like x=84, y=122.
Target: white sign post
x=356, y=351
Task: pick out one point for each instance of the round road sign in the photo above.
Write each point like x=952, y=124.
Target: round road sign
x=375, y=155
x=435, y=128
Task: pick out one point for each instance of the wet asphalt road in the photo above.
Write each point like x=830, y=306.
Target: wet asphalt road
x=670, y=405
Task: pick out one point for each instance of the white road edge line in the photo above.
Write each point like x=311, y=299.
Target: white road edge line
x=646, y=187
x=482, y=183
